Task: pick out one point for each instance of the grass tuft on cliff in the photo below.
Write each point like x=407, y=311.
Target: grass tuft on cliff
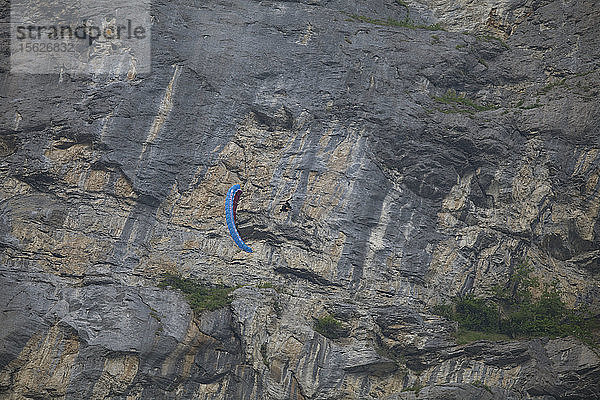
x=199, y=296
x=464, y=336
x=513, y=312
x=461, y=103
x=330, y=327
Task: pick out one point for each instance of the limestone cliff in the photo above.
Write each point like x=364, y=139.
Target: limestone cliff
x=416, y=164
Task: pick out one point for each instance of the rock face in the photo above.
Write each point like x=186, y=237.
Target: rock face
x=414, y=165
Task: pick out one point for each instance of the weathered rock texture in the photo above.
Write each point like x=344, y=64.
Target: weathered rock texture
x=398, y=202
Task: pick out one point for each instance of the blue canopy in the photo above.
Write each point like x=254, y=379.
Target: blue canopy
x=231, y=202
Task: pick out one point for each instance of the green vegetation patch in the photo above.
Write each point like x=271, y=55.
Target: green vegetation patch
x=405, y=23
x=414, y=388
x=531, y=106
x=569, y=83
x=520, y=105
x=200, y=296
x=550, y=86
x=490, y=38
x=513, y=312
x=461, y=103
x=266, y=285
x=480, y=384
x=464, y=336
x=330, y=327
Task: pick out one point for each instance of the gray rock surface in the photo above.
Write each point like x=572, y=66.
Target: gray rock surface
x=399, y=198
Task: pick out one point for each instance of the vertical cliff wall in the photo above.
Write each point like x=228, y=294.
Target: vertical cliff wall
x=415, y=164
